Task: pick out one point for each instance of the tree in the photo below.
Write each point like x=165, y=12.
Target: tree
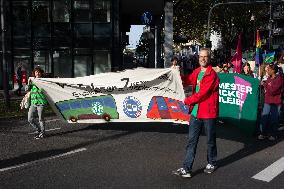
x=143, y=47
x=190, y=20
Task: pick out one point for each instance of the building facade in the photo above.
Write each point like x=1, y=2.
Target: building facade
x=67, y=38
x=73, y=38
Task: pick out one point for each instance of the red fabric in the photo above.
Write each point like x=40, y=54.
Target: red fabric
x=237, y=58
x=273, y=90
x=208, y=96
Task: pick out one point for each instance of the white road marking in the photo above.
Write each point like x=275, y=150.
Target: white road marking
x=47, y=130
x=42, y=160
x=271, y=172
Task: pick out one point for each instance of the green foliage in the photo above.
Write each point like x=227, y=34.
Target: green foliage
x=143, y=47
x=191, y=17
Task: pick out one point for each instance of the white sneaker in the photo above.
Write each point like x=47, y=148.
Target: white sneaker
x=210, y=168
x=182, y=172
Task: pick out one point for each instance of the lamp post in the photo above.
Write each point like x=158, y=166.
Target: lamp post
x=252, y=19
x=4, y=63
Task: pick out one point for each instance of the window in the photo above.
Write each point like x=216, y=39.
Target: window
x=41, y=24
x=62, y=35
x=83, y=35
x=62, y=63
x=102, y=62
x=42, y=59
x=82, y=66
x=40, y=12
x=21, y=24
x=61, y=10
x=102, y=11
x=82, y=11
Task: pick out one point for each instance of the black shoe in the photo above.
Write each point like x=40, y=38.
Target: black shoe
x=210, y=168
x=182, y=172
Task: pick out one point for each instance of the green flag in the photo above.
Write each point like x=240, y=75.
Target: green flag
x=238, y=101
x=269, y=58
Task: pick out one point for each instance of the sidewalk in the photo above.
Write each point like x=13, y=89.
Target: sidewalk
x=12, y=95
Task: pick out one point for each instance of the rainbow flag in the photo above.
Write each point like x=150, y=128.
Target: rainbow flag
x=258, y=56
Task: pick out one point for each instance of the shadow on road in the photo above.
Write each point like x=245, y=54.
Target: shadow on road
x=227, y=132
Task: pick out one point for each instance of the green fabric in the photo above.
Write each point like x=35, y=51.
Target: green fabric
x=238, y=101
x=195, y=108
x=37, y=96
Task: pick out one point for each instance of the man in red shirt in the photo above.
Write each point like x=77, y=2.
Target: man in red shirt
x=273, y=89
x=204, y=103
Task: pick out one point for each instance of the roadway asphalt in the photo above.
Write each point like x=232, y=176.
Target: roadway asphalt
x=129, y=155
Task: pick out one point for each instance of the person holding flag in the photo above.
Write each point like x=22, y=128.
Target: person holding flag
x=237, y=58
x=258, y=56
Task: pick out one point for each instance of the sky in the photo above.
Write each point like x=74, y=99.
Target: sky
x=134, y=35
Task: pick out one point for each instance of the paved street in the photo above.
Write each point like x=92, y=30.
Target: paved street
x=131, y=155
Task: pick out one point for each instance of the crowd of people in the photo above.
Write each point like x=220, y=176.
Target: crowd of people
x=205, y=92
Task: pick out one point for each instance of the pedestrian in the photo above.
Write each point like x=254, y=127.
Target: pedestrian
x=19, y=77
x=174, y=63
x=225, y=68
x=219, y=68
x=273, y=87
x=38, y=103
x=204, y=100
x=247, y=70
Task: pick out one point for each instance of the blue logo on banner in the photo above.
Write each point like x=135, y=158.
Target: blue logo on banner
x=132, y=107
x=146, y=18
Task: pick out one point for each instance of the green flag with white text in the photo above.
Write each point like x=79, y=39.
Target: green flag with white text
x=238, y=100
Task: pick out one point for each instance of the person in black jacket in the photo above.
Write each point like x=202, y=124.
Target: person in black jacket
x=19, y=77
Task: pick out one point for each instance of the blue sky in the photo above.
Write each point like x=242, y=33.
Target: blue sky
x=134, y=35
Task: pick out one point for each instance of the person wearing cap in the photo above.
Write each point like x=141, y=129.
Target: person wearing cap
x=273, y=87
x=38, y=103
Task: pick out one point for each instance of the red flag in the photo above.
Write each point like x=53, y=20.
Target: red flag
x=237, y=58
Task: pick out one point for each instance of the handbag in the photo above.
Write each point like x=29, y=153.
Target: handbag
x=26, y=101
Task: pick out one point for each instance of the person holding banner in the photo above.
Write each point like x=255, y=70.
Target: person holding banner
x=174, y=63
x=38, y=102
x=204, y=103
x=273, y=88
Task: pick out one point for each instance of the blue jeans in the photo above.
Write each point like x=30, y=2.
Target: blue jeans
x=31, y=119
x=195, y=127
x=269, y=119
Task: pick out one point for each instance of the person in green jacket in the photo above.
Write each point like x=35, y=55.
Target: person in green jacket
x=38, y=102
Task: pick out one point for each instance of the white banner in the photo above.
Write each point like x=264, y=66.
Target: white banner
x=136, y=95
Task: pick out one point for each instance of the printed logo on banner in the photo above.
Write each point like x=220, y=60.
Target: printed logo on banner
x=97, y=108
x=132, y=107
x=167, y=108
